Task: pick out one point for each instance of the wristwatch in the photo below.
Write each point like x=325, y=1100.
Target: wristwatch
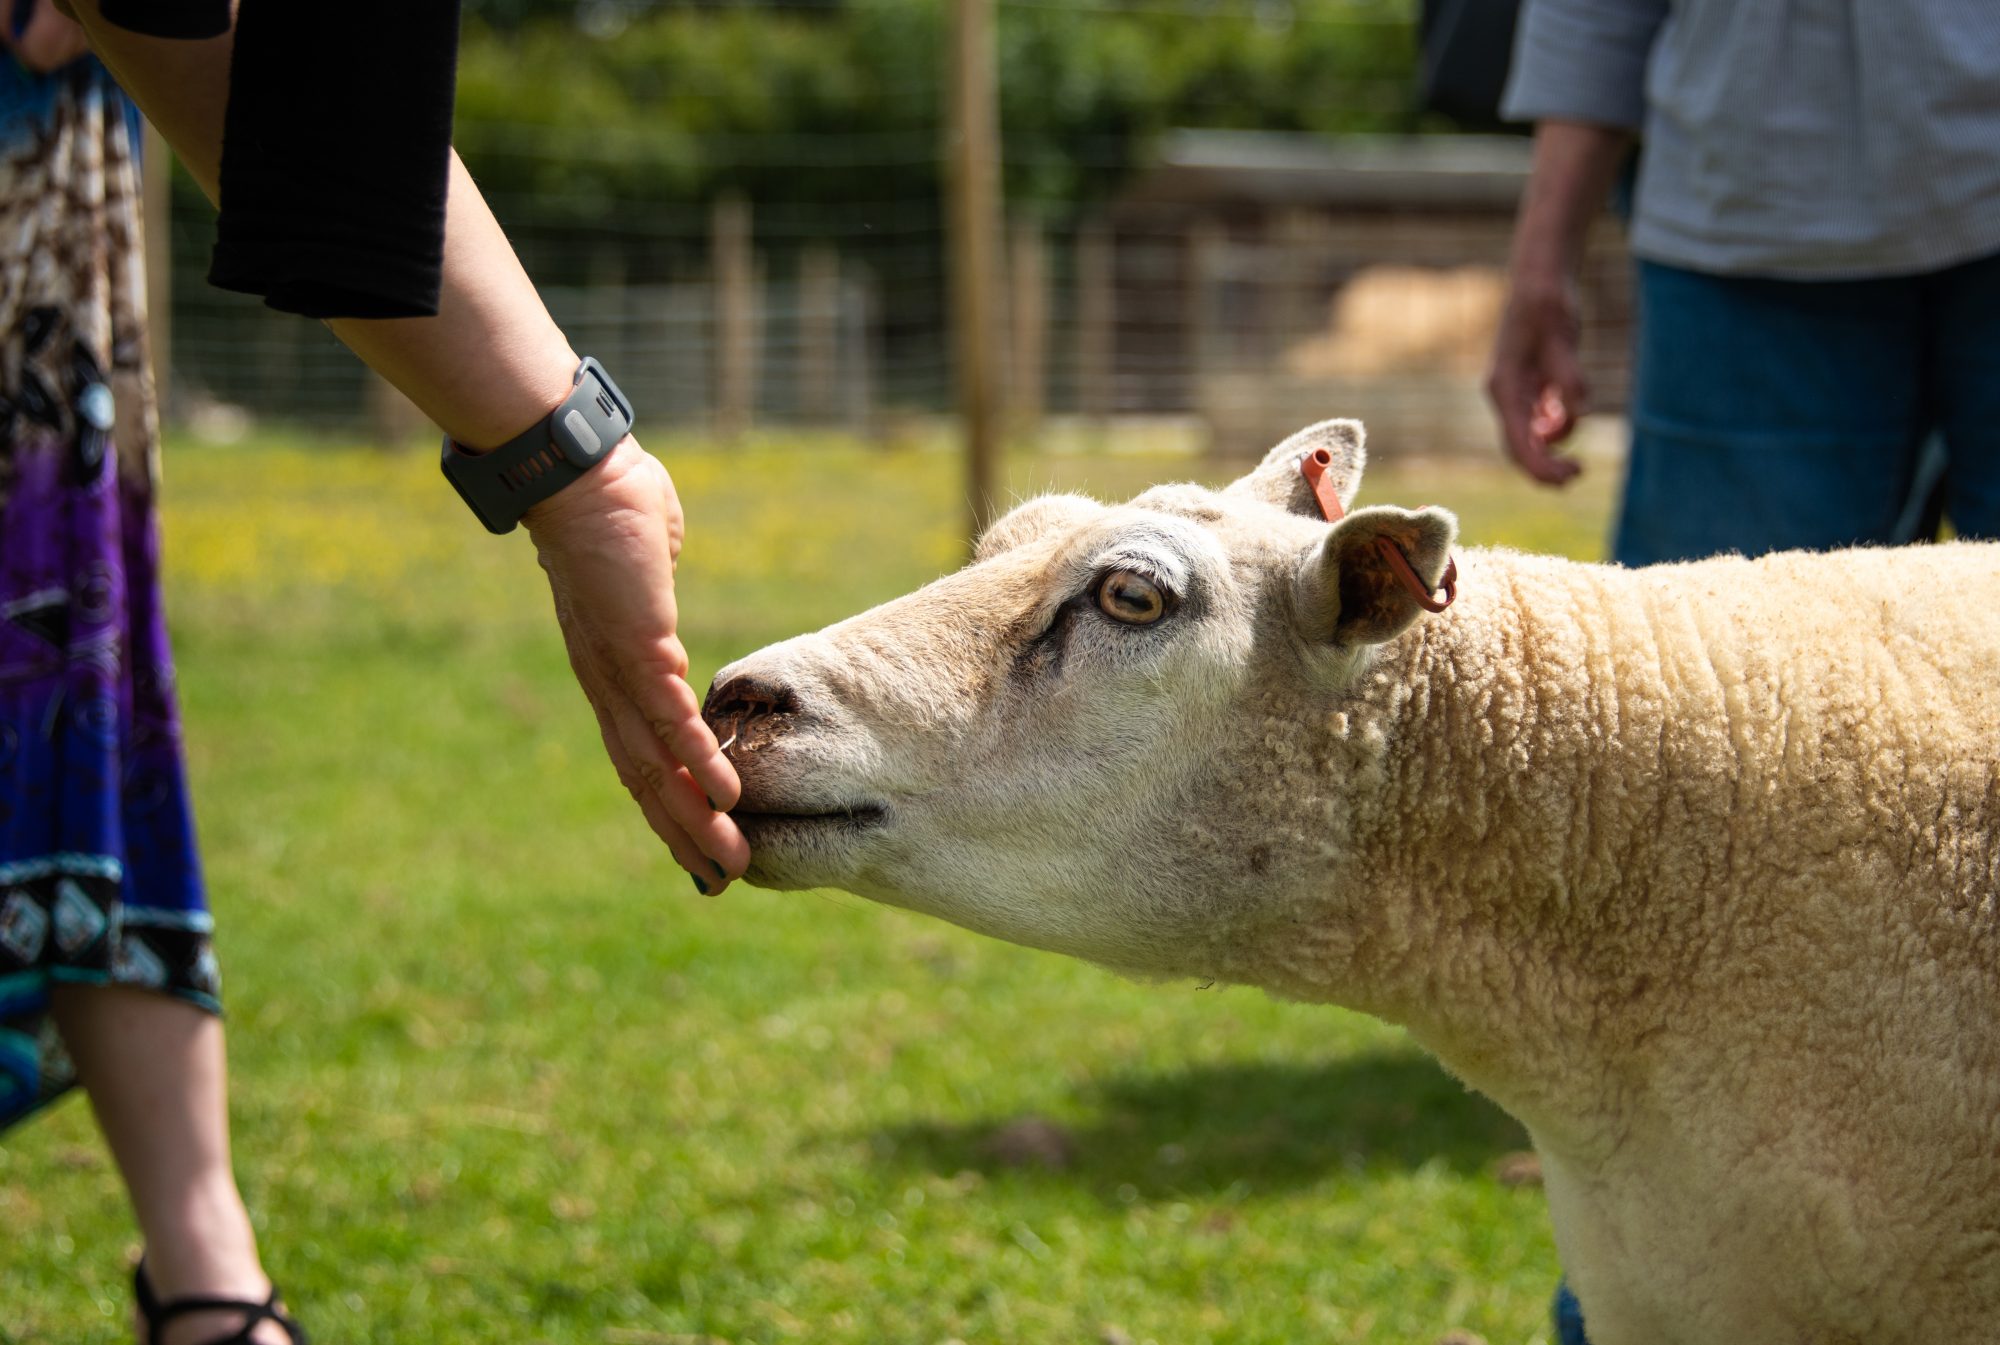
x=503, y=484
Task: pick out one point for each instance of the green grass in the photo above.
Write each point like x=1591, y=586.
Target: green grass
x=500, y=1074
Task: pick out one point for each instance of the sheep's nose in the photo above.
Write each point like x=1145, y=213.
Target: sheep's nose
x=749, y=709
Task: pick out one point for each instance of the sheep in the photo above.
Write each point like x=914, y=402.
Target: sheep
x=1692, y=869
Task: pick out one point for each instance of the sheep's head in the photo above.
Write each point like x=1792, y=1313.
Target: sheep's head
x=1038, y=746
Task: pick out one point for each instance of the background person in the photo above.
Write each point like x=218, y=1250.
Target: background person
x=106, y=968
x=1817, y=227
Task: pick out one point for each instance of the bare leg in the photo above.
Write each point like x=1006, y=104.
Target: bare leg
x=153, y=1068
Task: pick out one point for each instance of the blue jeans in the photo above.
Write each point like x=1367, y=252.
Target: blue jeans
x=1567, y=1317
x=1775, y=414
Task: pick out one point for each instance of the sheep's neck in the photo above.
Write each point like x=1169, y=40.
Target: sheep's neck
x=1491, y=872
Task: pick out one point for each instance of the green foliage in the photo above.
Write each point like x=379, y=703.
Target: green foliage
x=498, y=1074
x=837, y=104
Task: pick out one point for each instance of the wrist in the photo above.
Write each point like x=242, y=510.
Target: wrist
x=586, y=501
x=1535, y=289
x=549, y=458
x=513, y=394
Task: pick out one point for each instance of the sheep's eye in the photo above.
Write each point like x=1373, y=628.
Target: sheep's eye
x=1130, y=597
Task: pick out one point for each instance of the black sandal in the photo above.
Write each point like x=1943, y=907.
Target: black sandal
x=158, y=1314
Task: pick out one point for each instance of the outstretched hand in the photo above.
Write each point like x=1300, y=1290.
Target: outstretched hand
x=609, y=543
x=1536, y=381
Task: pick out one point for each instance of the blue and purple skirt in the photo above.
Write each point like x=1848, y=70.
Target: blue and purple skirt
x=99, y=879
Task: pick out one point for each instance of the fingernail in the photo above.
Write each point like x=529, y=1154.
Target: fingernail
x=720, y=876
x=699, y=885
x=713, y=806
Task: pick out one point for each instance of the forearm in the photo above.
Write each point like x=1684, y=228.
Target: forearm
x=1568, y=183
x=490, y=364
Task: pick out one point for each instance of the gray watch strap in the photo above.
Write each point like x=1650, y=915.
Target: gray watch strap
x=503, y=484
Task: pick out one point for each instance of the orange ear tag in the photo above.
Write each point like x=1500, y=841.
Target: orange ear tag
x=1313, y=466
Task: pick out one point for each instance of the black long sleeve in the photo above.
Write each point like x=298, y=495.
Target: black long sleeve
x=335, y=155
x=169, y=18
x=335, y=149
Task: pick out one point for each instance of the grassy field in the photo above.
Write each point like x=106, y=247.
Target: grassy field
x=501, y=1075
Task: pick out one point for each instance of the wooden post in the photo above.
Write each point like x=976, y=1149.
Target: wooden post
x=972, y=175
x=1030, y=314
x=819, y=332
x=1302, y=241
x=156, y=204
x=1096, y=300
x=1204, y=344
x=863, y=344
x=732, y=278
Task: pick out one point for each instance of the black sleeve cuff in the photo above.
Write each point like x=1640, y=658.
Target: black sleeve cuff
x=169, y=18
x=325, y=278
x=334, y=181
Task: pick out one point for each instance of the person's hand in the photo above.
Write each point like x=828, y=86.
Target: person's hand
x=1536, y=379
x=608, y=543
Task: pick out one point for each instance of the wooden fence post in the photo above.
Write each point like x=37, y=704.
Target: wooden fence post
x=819, y=332
x=1208, y=342
x=862, y=342
x=1030, y=313
x=1096, y=301
x=972, y=162
x=732, y=277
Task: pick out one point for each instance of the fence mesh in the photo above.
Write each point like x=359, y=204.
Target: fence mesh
x=1246, y=281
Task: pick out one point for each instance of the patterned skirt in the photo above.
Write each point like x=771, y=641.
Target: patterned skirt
x=99, y=879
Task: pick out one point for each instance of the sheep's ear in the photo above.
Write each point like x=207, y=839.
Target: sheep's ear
x=1277, y=480
x=1349, y=591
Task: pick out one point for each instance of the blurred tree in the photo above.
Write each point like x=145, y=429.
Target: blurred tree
x=585, y=106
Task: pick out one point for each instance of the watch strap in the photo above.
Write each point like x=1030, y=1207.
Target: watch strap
x=504, y=483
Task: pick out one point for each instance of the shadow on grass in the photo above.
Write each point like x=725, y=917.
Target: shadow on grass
x=1265, y=1126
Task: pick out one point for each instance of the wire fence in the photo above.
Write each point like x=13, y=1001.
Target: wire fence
x=1246, y=281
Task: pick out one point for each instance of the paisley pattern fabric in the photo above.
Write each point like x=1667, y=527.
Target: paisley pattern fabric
x=99, y=879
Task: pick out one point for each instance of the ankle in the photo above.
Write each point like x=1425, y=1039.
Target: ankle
x=205, y=1247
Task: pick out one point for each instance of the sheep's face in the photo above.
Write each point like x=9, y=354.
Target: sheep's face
x=1030, y=747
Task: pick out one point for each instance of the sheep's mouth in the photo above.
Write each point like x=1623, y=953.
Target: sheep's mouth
x=805, y=846
x=853, y=817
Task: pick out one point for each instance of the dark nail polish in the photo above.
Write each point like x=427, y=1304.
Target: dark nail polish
x=713, y=806
x=720, y=876
x=699, y=885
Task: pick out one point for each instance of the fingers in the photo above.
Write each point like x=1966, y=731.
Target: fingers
x=1536, y=381
x=1524, y=432
x=704, y=840
x=721, y=851
x=685, y=852
x=659, y=718
x=672, y=708
x=1566, y=397
x=1535, y=416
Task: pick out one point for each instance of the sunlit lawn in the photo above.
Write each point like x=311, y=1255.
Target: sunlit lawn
x=500, y=1074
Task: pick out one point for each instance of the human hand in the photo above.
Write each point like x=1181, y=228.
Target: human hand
x=1536, y=379
x=608, y=543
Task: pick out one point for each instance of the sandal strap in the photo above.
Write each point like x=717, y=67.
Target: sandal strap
x=157, y=1314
